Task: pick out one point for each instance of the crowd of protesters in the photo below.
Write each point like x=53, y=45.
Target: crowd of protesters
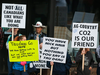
x=58, y=68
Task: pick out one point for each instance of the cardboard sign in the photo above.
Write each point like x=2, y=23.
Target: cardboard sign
x=13, y=15
x=23, y=51
x=54, y=49
x=84, y=35
x=41, y=63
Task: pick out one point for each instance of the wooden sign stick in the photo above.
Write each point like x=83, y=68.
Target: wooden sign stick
x=83, y=61
x=40, y=71
x=24, y=69
x=12, y=34
x=51, y=70
x=83, y=48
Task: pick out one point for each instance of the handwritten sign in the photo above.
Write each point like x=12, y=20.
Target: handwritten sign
x=13, y=15
x=23, y=51
x=54, y=49
x=41, y=63
x=84, y=35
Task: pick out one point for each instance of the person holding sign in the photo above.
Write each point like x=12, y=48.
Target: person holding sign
x=20, y=67
x=88, y=61
x=61, y=68
x=38, y=35
x=16, y=33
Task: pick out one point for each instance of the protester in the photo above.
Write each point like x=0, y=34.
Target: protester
x=38, y=35
x=88, y=61
x=97, y=55
x=16, y=33
x=61, y=68
x=18, y=67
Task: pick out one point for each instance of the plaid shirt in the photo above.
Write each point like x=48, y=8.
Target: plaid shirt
x=1, y=38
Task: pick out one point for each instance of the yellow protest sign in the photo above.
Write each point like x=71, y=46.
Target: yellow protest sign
x=23, y=51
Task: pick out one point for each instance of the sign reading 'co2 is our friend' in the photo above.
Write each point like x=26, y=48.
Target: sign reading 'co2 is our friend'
x=23, y=51
x=84, y=35
x=13, y=15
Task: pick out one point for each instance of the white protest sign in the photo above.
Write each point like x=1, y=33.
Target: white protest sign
x=54, y=49
x=13, y=15
x=41, y=63
x=84, y=35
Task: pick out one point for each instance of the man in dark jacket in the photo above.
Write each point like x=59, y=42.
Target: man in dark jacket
x=38, y=34
x=61, y=68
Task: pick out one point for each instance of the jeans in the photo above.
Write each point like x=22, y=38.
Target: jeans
x=17, y=72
